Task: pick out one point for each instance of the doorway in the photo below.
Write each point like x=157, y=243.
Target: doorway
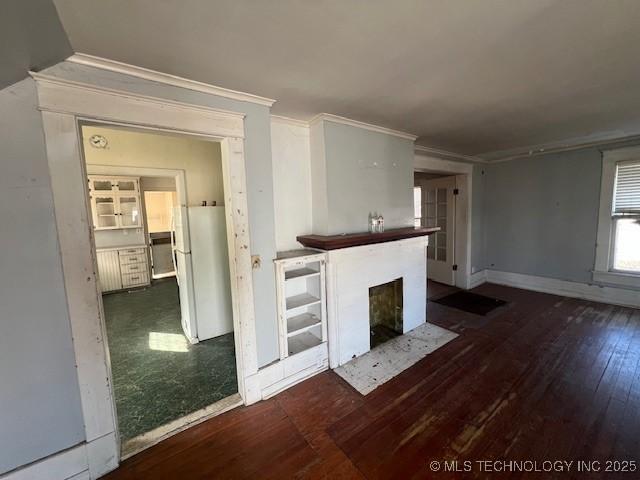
x=65, y=105
x=163, y=271
x=435, y=197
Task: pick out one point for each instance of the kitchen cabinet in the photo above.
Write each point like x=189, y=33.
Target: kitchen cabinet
x=115, y=202
x=124, y=267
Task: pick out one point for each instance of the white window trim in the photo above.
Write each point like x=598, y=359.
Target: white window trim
x=602, y=271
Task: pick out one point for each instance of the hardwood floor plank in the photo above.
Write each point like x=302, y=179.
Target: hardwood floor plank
x=542, y=378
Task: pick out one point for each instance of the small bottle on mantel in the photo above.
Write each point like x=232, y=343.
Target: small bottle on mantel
x=380, y=224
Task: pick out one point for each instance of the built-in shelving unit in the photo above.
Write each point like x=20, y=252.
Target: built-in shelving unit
x=301, y=293
x=115, y=202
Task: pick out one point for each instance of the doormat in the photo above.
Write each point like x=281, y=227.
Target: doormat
x=378, y=366
x=470, y=302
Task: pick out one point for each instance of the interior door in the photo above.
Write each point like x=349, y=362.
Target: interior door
x=438, y=210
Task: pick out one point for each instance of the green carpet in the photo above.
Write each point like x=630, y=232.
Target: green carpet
x=158, y=376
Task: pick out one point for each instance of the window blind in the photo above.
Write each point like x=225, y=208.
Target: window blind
x=626, y=198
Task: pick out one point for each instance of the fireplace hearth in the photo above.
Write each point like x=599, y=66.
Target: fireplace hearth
x=385, y=312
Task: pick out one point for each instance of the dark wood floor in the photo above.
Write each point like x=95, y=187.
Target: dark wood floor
x=542, y=378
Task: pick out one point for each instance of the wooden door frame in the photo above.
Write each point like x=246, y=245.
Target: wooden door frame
x=64, y=105
x=464, y=181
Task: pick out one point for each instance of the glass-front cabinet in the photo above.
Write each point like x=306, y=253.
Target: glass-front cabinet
x=115, y=202
x=129, y=211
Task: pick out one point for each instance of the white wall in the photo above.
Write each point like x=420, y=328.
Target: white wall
x=291, y=182
x=40, y=411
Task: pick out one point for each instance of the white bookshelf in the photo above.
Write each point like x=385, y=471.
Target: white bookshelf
x=301, y=291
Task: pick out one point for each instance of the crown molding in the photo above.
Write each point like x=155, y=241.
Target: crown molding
x=445, y=154
x=166, y=78
x=559, y=147
x=367, y=126
x=289, y=121
x=62, y=83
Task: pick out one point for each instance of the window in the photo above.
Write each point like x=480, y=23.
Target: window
x=618, y=244
x=417, y=206
x=626, y=217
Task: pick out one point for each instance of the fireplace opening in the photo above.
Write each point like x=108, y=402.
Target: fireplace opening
x=385, y=312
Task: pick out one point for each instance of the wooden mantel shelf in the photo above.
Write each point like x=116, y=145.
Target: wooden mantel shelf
x=333, y=242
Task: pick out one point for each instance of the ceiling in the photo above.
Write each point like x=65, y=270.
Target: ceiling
x=469, y=77
x=31, y=38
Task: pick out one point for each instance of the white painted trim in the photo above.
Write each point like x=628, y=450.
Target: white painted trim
x=605, y=224
x=103, y=455
x=595, y=293
x=446, y=155
x=602, y=270
x=617, y=278
x=328, y=117
x=66, y=106
x=97, y=103
x=558, y=147
x=289, y=121
x=477, y=279
x=289, y=371
x=433, y=164
x=87, y=460
x=464, y=209
x=62, y=465
x=166, y=78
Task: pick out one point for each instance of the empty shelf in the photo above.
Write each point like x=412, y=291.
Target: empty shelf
x=301, y=323
x=303, y=341
x=300, y=273
x=301, y=300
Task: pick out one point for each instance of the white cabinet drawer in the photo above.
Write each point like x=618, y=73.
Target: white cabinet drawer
x=134, y=258
x=131, y=251
x=134, y=279
x=133, y=268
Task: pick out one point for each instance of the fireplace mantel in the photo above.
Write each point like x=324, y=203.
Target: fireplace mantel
x=333, y=242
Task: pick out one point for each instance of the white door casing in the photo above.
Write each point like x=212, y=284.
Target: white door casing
x=438, y=210
x=464, y=173
x=64, y=104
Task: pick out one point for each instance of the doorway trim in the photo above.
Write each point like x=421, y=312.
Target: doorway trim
x=65, y=105
x=463, y=202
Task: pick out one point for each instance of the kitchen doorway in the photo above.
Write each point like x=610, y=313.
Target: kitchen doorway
x=157, y=203
x=65, y=106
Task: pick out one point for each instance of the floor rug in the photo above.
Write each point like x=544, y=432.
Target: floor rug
x=470, y=302
x=378, y=366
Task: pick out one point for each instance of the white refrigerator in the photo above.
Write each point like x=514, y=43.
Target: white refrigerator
x=202, y=271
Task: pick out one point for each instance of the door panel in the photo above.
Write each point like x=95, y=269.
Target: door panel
x=439, y=210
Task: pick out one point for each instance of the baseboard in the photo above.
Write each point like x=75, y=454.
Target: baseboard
x=286, y=373
x=477, y=279
x=102, y=455
x=68, y=464
x=84, y=461
x=595, y=293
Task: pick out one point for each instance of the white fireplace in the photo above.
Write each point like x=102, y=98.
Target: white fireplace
x=352, y=271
